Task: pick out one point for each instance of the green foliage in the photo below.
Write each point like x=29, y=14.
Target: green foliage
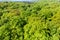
x=30, y=21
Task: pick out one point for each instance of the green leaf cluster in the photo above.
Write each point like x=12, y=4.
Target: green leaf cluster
x=30, y=21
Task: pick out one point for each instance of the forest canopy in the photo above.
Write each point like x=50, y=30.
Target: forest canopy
x=30, y=21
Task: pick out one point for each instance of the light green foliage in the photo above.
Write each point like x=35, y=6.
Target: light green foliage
x=30, y=21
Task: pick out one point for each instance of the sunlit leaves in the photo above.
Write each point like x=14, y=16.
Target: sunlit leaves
x=30, y=21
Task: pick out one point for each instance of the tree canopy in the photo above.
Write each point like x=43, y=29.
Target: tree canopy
x=30, y=21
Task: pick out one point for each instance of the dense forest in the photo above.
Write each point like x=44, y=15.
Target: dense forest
x=30, y=21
